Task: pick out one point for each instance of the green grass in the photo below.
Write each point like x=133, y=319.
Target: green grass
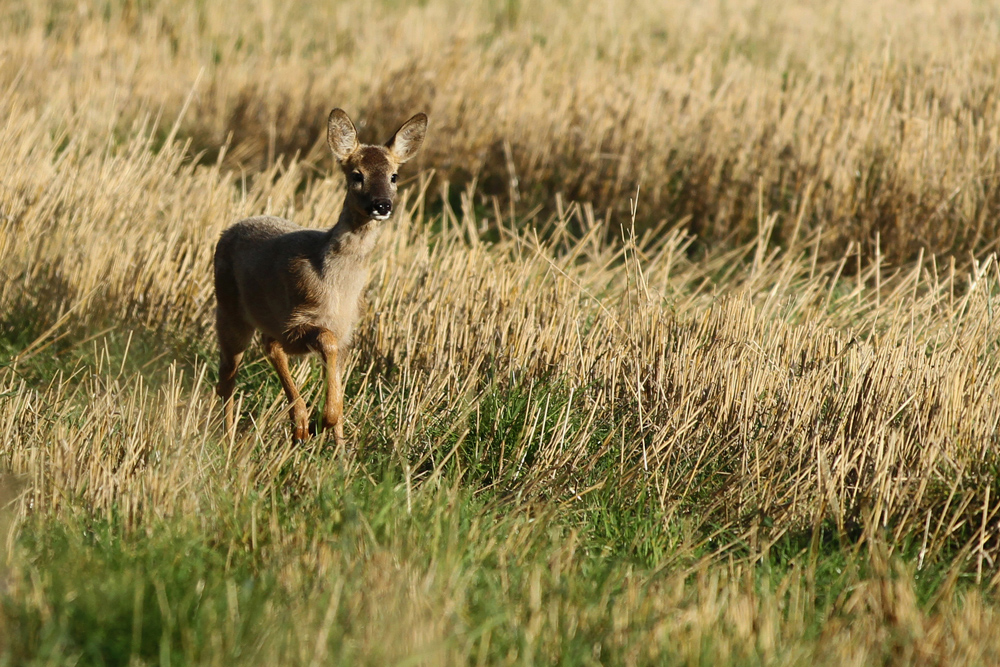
x=193, y=590
x=324, y=553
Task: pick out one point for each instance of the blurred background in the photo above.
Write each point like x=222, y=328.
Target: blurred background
x=868, y=119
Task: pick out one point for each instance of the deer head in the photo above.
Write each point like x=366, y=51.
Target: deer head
x=371, y=170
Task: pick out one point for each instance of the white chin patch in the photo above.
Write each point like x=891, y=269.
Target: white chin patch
x=380, y=218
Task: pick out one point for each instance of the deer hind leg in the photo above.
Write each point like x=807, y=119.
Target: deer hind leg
x=333, y=409
x=298, y=412
x=234, y=337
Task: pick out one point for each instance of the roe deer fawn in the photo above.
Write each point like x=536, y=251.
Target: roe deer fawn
x=301, y=288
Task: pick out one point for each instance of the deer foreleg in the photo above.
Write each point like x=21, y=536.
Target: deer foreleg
x=298, y=412
x=333, y=408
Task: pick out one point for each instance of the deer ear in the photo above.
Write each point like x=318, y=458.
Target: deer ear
x=406, y=142
x=341, y=135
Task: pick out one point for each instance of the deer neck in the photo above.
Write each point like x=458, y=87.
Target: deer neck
x=353, y=237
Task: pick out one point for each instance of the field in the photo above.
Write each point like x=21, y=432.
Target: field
x=683, y=347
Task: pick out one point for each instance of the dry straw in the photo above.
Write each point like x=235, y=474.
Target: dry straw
x=884, y=113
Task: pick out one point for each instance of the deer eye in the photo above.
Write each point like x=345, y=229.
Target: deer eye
x=393, y=178
x=357, y=177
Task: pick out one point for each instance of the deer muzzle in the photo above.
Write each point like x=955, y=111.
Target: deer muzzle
x=381, y=208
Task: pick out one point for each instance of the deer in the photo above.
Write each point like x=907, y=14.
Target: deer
x=302, y=288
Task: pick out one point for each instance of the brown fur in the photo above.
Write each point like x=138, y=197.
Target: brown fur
x=301, y=288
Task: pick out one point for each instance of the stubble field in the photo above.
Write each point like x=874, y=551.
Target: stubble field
x=681, y=349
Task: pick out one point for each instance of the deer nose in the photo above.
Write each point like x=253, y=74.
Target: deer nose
x=381, y=207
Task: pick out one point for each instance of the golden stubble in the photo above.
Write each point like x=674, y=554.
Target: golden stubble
x=818, y=376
